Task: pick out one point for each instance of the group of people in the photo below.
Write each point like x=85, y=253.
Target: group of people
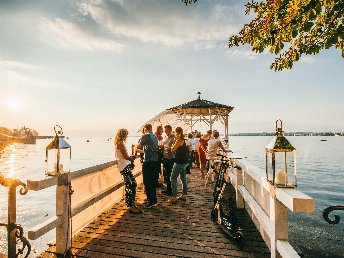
x=204, y=148
x=176, y=152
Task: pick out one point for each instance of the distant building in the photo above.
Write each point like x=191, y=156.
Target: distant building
x=24, y=132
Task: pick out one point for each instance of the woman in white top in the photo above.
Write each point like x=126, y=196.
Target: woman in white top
x=125, y=166
x=195, y=149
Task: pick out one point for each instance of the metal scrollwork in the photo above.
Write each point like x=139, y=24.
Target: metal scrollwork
x=23, y=190
x=8, y=182
x=336, y=217
x=21, y=238
x=19, y=233
x=15, y=231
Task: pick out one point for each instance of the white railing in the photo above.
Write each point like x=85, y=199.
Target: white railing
x=268, y=206
x=95, y=189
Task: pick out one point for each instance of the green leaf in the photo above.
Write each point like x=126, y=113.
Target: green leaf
x=333, y=40
x=273, y=32
x=294, y=33
x=312, y=14
x=307, y=26
x=318, y=8
x=277, y=49
x=338, y=7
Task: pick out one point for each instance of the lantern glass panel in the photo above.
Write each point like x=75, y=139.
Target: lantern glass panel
x=269, y=168
x=52, y=161
x=284, y=169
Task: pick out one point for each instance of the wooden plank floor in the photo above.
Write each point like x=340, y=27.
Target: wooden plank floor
x=165, y=230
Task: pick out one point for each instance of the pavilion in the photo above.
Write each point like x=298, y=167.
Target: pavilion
x=187, y=115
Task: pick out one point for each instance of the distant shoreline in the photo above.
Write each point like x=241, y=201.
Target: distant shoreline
x=44, y=137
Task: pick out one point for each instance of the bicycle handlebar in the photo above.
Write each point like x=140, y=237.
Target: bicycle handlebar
x=224, y=156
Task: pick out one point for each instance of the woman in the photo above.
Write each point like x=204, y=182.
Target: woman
x=202, y=151
x=181, y=161
x=196, y=146
x=190, y=144
x=125, y=166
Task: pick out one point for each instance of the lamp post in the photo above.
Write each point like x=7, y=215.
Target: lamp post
x=280, y=155
x=58, y=154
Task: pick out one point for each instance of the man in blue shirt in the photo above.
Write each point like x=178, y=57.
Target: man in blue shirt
x=149, y=142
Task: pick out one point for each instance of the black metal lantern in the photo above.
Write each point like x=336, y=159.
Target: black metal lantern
x=280, y=158
x=58, y=154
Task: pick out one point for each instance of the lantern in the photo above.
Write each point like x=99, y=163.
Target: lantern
x=281, y=160
x=58, y=154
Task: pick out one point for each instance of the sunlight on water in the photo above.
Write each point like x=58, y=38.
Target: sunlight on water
x=11, y=162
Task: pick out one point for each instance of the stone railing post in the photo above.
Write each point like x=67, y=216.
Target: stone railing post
x=279, y=219
x=63, y=243
x=240, y=201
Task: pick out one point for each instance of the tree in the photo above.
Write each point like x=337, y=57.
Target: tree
x=186, y=2
x=294, y=27
x=5, y=131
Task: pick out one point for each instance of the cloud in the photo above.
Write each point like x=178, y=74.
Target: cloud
x=240, y=54
x=165, y=22
x=10, y=65
x=19, y=74
x=16, y=71
x=67, y=35
x=307, y=59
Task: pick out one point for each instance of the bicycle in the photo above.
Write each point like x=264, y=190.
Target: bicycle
x=228, y=222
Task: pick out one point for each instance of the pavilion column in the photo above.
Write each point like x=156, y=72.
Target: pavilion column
x=191, y=124
x=210, y=120
x=226, y=127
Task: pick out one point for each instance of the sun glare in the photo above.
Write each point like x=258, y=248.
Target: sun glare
x=13, y=103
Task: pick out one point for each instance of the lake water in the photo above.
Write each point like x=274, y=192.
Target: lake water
x=320, y=174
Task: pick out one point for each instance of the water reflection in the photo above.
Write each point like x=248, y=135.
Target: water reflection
x=11, y=161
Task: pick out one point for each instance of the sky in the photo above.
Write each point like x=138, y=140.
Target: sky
x=93, y=66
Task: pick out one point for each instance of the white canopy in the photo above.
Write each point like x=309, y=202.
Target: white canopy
x=167, y=117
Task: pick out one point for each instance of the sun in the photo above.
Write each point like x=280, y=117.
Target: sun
x=13, y=103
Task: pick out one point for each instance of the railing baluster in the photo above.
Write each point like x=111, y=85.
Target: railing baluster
x=12, y=215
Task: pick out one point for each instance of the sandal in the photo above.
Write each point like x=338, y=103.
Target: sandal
x=134, y=210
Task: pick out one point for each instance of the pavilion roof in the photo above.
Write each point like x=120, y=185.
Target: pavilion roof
x=201, y=107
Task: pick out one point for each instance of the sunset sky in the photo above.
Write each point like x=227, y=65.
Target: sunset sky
x=93, y=66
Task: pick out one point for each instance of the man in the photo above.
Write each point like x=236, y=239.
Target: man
x=158, y=134
x=168, y=160
x=149, y=143
x=214, y=145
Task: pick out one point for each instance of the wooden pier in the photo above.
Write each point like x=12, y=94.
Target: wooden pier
x=181, y=230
